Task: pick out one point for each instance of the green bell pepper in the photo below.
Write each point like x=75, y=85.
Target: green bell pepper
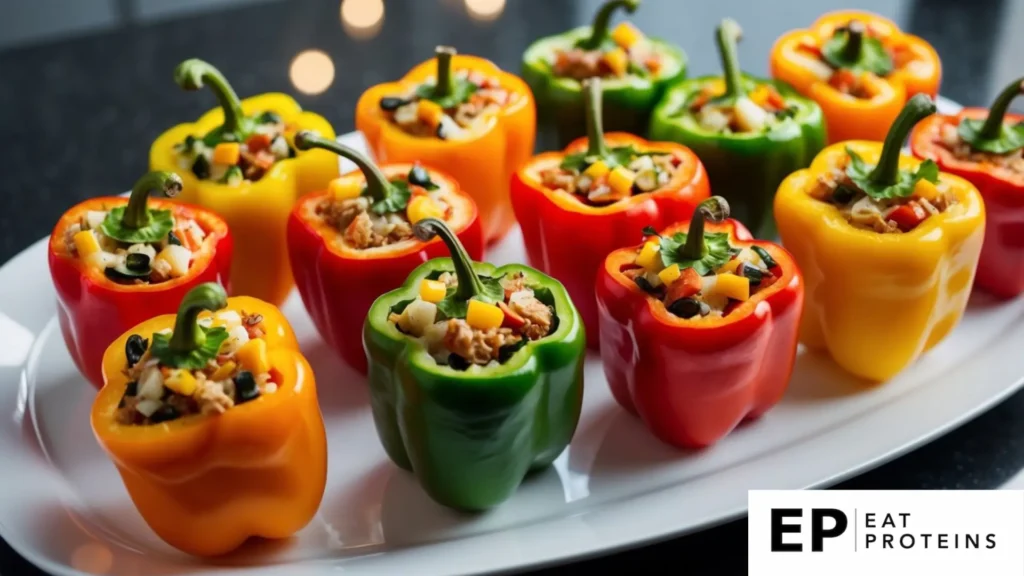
x=628, y=100
x=746, y=167
x=472, y=433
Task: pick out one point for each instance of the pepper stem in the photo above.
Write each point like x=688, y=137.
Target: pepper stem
x=469, y=283
x=715, y=209
x=855, y=31
x=599, y=29
x=595, y=129
x=193, y=74
x=136, y=215
x=728, y=34
x=378, y=186
x=445, y=80
x=187, y=334
x=916, y=109
x=993, y=126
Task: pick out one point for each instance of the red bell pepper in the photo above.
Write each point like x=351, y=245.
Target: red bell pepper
x=999, y=135
x=568, y=238
x=95, y=310
x=339, y=282
x=693, y=380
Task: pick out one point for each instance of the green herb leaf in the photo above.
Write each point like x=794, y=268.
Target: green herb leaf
x=463, y=90
x=195, y=359
x=395, y=202
x=860, y=172
x=619, y=156
x=161, y=222
x=452, y=307
x=717, y=252
x=1011, y=138
x=873, y=56
x=649, y=231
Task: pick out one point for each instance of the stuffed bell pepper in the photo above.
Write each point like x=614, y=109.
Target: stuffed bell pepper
x=636, y=71
x=750, y=133
x=354, y=241
x=888, y=244
x=240, y=162
x=576, y=206
x=117, y=261
x=986, y=147
x=699, y=326
x=213, y=423
x=459, y=114
x=476, y=374
x=860, y=68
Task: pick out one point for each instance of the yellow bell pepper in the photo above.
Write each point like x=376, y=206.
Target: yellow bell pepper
x=876, y=302
x=484, y=316
x=256, y=212
x=433, y=290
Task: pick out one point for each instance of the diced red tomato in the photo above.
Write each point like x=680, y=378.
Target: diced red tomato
x=810, y=48
x=908, y=216
x=512, y=320
x=688, y=284
x=775, y=100
x=843, y=80
x=258, y=142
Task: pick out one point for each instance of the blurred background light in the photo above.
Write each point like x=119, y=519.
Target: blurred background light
x=485, y=9
x=362, y=19
x=312, y=72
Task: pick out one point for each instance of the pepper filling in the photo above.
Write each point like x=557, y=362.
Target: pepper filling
x=596, y=184
x=478, y=98
x=240, y=372
x=365, y=224
x=760, y=111
x=135, y=263
x=1011, y=164
x=483, y=334
x=629, y=53
x=218, y=158
x=714, y=286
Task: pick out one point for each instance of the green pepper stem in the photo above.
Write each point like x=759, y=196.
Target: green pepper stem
x=445, y=80
x=378, y=186
x=715, y=209
x=193, y=74
x=855, y=31
x=187, y=336
x=993, y=126
x=599, y=29
x=469, y=283
x=136, y=215
x=595, y=129
x=728, y=34
x=916, y=109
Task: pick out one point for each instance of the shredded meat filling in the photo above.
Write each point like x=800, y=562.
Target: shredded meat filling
x=949, y=138
x=477, y=346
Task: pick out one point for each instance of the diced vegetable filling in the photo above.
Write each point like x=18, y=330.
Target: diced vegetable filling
x=1011, y=164
x=419, y=116
x=364, y=224
x=596, y=184
x=239, y=373
x=759, y=111
x=488, y=334
x=215, y=158
x=689, y=295
x=848, y=81
x=142, y=263
x=630, y=53
x=887, y=215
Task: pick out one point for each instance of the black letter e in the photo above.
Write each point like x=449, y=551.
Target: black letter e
x=779, y=528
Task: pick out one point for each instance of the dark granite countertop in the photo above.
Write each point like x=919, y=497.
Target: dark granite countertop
x=85, y=86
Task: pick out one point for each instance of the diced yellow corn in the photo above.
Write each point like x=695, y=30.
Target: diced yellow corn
x=715, y=87
x=760, y=96
x=596, y=170
x=650, y=257
x=227, y=153
x=925, y=189
x=429, y=113
x=181, y=381
x=224, y=372
x=621, y=180
x=626, y=35
x=618, y=61
x=730, y=266
x=86, y=244
x=484, y=316
x=733, y=286
x=670, y=274
x=433, y=290
x=345, y=188
x=421, y=207
x=253, y=356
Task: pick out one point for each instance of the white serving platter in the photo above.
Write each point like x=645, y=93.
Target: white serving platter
x=63, y=507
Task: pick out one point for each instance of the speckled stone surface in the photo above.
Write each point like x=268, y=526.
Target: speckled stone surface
x=77, y=115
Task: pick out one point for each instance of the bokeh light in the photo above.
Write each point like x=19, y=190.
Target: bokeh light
x=312, y=72
x=485, y=9
x=362, y=18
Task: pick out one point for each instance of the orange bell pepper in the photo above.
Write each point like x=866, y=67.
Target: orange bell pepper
x=206, y=483
x=856, y=47
x=483, y=162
